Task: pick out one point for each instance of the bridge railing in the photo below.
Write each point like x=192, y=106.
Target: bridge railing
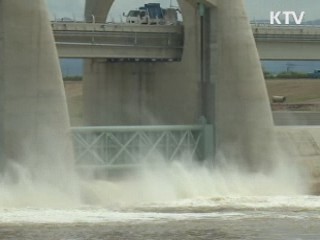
x=142, y=36
x=132, y=145
x=288, y=33
x=121, y=43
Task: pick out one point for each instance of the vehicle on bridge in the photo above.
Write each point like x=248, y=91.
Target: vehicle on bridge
x=315, y=74
x=152, y=13
x=137, y=16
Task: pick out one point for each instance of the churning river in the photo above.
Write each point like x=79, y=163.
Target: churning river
x=277, y=217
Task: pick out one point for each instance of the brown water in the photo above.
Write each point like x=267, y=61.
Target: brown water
x=252, y=225
x=198, y=229
x=272, y=218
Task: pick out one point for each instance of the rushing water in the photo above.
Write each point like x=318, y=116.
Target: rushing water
x=216, y=218
x=164, y=201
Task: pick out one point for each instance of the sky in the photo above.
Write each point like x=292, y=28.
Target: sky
x=260, y=9
x=257, y=9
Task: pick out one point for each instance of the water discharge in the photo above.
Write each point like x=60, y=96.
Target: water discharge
x=40, y=172
x=158, y=182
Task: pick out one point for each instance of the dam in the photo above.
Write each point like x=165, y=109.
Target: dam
x=245, y=186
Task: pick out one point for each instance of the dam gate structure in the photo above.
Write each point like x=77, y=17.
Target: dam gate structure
x=219, y=78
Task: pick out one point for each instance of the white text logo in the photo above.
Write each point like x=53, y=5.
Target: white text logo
x=276, y=17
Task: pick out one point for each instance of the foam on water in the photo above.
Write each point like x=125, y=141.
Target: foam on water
x=166, y=182
x=223, y=208
x=156, y=183
x=96, y=216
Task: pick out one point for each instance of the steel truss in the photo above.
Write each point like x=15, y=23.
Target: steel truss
x=128, y=145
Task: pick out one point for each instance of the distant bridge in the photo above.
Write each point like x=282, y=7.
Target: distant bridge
x=129, y=42
x=287, y=42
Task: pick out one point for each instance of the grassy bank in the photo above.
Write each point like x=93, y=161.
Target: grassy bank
x=295, y=90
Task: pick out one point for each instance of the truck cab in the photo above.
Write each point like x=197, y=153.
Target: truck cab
x=316, y=73
x=150, y=13
x=137, y=17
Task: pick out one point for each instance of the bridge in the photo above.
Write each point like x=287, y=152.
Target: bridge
x=287, y=42
x=127, y=42
x=118, y=41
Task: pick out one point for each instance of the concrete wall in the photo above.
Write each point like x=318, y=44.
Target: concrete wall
x=242, y=116
x=2, y=154
x=117, y=93
x=147, y=93
x=98, y=8
x=302, y=146
x=33, y=114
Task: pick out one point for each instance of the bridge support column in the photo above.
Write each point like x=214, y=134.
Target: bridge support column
x=97, y=10
x=147, y=93
x=242, y=113
x=34, y=123
x=2, y=60
x=118, y=93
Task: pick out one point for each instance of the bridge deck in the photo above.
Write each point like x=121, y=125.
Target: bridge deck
x=119, y=41
x=134, y=42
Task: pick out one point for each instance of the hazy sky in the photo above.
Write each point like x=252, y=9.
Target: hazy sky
x=260, y=9
x=257, y=9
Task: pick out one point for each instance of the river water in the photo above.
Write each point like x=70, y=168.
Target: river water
x=277, y=217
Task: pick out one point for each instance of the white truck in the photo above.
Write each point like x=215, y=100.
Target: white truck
x=152, y=13
x=137, y=17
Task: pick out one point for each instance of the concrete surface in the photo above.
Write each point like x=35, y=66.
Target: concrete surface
x=301, y=144
x=243, y=119
x=298, y=118
x=34, y=123
x=88, y=40
x=146, y=93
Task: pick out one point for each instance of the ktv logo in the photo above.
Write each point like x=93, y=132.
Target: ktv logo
x=289, y=17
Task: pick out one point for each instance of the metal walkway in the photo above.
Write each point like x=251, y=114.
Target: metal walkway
x=132, y=145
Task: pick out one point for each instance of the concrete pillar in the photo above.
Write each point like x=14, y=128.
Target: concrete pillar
x=177, y=98
x=97, y=10
x=118, y=93
x=147, y=93
x=2, y=154
x=243, y=120
x=33, y=112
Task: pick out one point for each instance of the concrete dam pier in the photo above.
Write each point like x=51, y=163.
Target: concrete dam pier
x=34, y=122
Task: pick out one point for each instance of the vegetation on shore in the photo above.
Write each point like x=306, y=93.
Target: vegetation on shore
x=287, y=75
x=72, y=78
